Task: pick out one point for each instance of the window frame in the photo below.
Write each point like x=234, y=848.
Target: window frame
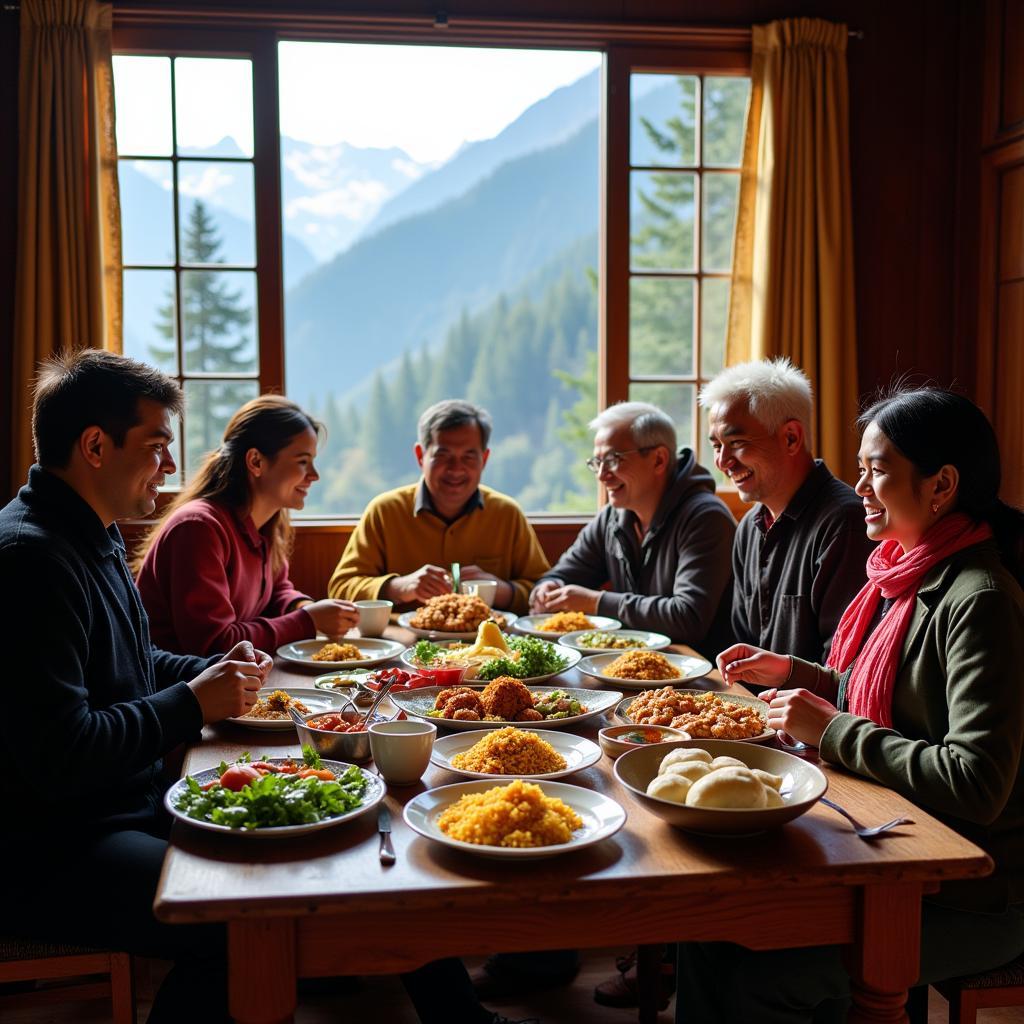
x=626, y=48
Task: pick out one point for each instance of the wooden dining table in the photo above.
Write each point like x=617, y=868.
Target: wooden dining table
x=323, y=904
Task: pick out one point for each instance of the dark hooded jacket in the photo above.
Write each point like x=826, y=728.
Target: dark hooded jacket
x=678, y=579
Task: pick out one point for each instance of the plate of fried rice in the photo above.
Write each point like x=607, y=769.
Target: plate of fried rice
x=271, y=708
x=636, y=670
x=348, y=652
x=519, y=820
x=514, y=753
x=552, y=625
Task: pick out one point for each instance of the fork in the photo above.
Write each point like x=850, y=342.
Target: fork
x=862, y=830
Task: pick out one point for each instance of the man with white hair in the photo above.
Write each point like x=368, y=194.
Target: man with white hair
x=662, y=542
x=799, y=554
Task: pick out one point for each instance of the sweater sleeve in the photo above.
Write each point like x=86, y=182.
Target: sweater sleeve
x=528, y=562
x=192, y=566
x=584, y=563
x=284, y=594
x=48, y=721
x=703, y=572
x=362, y=571
x=970, y=773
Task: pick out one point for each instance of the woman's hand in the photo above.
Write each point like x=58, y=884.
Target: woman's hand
x=800, y=714
x=333, y=618
x=743, y=663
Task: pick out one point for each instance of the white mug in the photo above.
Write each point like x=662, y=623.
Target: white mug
x=401, y=750
x=486, y=590
x=373, y=617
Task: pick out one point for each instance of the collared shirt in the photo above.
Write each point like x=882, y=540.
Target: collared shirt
x=424, y=502
x=794, y=580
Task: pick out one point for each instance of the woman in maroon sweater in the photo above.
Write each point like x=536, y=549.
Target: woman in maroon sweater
x=215, y=569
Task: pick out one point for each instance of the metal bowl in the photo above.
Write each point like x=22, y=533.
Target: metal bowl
x=336, y=746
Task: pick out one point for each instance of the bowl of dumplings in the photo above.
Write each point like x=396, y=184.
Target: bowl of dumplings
x=720, y=787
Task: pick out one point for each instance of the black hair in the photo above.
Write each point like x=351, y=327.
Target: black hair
x=451, y=414
x=934, y=427
x=90, y=387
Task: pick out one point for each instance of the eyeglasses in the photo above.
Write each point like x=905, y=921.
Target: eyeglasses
x=612, y=460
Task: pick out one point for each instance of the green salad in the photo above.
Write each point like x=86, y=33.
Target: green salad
x=536, y=658
x=249, y=799
x=558, y=704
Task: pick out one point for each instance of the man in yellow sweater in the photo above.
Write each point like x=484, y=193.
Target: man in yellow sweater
x=408, y=538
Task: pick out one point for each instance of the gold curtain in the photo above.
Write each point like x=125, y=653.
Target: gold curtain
x=68, y=290
x=792, y=284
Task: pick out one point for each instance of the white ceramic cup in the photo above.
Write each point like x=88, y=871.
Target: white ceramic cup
x=373, y=617
x=401, y=750
x=486, y=590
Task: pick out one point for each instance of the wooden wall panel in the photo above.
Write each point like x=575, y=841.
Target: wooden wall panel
x=1009, y=412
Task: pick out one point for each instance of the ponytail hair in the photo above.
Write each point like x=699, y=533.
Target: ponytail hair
x=268, y=424
x=933, y=428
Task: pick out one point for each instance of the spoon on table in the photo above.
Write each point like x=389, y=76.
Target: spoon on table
x=864, y=831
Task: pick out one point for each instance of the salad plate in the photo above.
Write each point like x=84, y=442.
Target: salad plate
x=504, y=619
x=479, y=663
x=529, y=624
x=373, y=793
x=374, y=652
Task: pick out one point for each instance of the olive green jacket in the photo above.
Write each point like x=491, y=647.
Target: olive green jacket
x=958, y=716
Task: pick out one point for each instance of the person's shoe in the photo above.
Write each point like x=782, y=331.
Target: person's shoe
x=621, y=991
x=490, y=983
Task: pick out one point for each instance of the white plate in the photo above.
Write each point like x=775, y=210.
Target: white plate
x=686, y=665
x=416, y=704
x=375, y=652
x=528, y=624
x=579, y=753
x=434, y=634
x=372, y=795
x=315, y=700
x=649, y=641
x=602, y=817
x=622, y=713
x=571, y=658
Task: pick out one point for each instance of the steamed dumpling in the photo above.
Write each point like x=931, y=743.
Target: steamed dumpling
x=692, y=770
x=727, y=762
x=775, y=781
x=683, y=754
x=669, y=787
x=728, y=787
x=773, y=798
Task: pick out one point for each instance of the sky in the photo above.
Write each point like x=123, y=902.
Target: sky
x=427, y=100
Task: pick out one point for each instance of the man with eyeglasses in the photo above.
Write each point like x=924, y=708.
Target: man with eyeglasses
x=662, y=543
x=408, y=538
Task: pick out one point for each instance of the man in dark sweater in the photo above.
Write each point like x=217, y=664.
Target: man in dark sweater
x=91, y=707
x=800, y=553
x=662, y=542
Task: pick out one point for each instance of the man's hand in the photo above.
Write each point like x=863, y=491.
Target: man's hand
x=228, y=688
x=572, y=598
x=333, y=618
x=540, y=593
x=426, y=582
x=800, y=714
x=743, y=663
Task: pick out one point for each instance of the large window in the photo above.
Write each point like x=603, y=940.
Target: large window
x=372, y=227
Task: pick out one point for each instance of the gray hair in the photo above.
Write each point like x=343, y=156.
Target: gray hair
x=774, y=389
x=648, y=425
x=451, y=414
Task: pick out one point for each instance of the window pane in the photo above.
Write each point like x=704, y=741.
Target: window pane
x=216, y=213
x=209, y=404
x=213, y=101
x=142, y=96
x=663, y=120
x=675, y=399
x=218, y=321
x=725, y=117
x=661, y=220
x=147, y=211
x=149, y=318
x=661, y=317
x=714, y=319
x=721, y=194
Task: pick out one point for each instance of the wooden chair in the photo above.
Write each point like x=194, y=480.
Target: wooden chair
x=28, y=960
x=1002, y=986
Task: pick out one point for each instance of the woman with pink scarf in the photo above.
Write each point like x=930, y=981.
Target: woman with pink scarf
x=922, y=692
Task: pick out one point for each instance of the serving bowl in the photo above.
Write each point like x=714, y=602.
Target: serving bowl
x=802, y=786
x=337, y=746
x=613, y=739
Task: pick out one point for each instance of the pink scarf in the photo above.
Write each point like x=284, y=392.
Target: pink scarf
x=891, y=574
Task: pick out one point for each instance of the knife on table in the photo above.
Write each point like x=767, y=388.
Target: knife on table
x=387, y=851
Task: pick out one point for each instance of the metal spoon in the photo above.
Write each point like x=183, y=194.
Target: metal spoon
x=381, y=694
x=865, y=832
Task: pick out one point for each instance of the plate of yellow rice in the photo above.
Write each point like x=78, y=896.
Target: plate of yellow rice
x=514, y=753
x=518, y=820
